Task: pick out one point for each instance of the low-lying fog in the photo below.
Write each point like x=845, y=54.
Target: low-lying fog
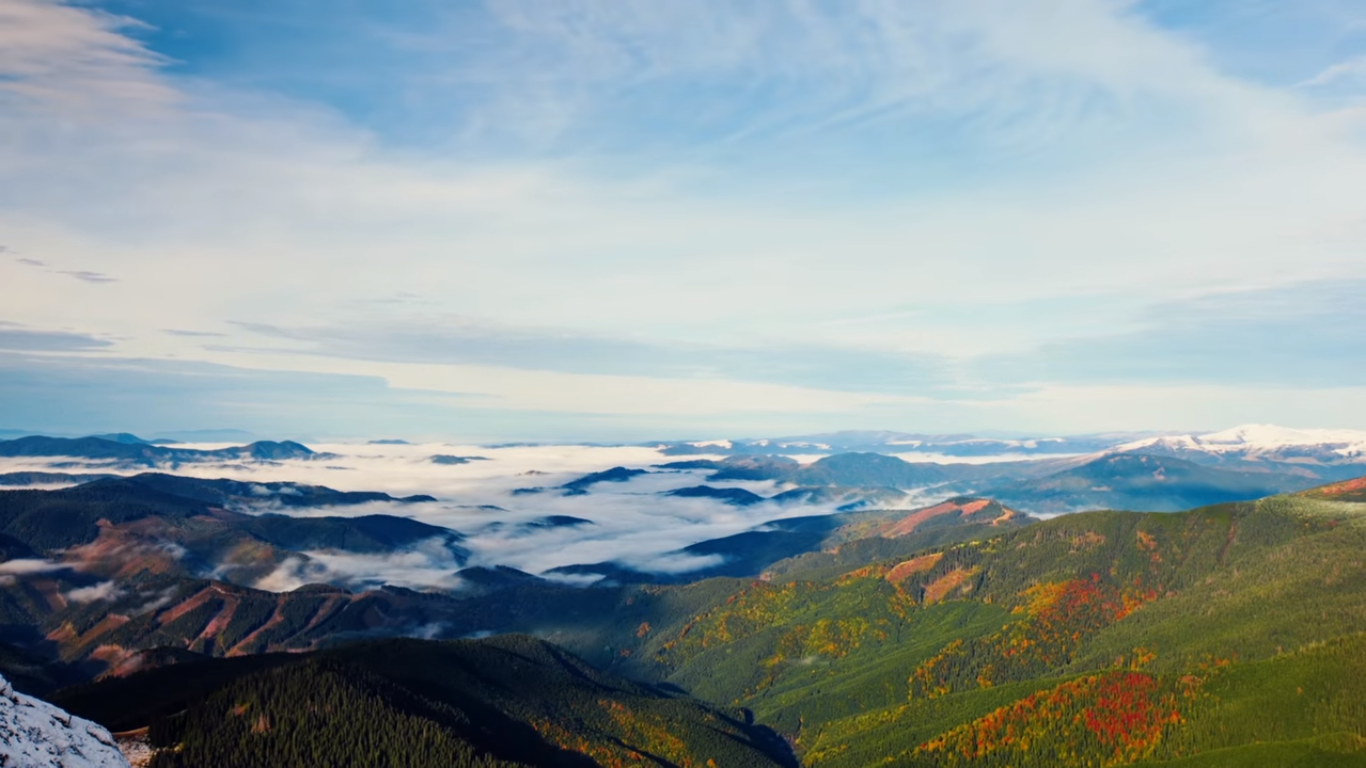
x=632, y=522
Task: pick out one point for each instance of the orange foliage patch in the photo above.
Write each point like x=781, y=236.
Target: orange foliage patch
x=112, y=655
x=199, y=598
x=220, y=622
x=51, y=592
x=921, y=564
x=275, y=620
x=63, y=634
x=867, y=572
x=942, y=586
x=1348, y=490
x=108, y=624
x=1060, y=616
x=1088, y=540
x=1006, y=514
x=1125, y=712
x=907, y=525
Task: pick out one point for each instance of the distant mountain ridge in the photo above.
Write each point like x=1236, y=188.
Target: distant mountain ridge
x=1141, y=482
x=1260, y=442
x=960, y=445
x=1117, y=480
x=147, y=454
x=224, y=491
x=162, y=524
x=1315, y=453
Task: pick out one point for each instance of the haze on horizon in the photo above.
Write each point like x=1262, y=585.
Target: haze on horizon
x=631, y=219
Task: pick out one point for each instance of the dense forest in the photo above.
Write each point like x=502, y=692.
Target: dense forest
x=509, y=700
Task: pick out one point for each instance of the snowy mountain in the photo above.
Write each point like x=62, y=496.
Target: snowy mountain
x=36, y=734
x=1279, y=447
x=947, y=446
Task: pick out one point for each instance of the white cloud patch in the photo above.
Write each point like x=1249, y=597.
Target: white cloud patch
x=30, y=566
x=155, y=601
x=105, y=590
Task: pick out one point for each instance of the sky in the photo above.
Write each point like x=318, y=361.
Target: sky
x=636, y=219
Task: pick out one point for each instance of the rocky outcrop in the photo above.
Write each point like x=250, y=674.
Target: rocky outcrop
x=35, y=734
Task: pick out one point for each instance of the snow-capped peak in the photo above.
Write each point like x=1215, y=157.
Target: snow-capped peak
x=1260, y=440
x=37, y=734
x=1271, y=436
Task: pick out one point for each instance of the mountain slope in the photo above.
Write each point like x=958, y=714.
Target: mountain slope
x=1348, y=490
x=1206, y=617
x=1183, y=602
x=501, y=701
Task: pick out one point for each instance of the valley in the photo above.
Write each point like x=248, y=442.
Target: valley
x=834, y=621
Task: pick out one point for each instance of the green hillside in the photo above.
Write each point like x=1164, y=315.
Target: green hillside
x=1231, y=628
x=857, y=655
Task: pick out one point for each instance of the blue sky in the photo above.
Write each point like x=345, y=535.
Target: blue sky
x=621, y=219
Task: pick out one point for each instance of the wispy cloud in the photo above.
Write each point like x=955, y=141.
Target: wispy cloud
x=1353, y=69
x=65, y=55
x=192, y=334
x=82, y=275
x=18, y=338
x=89, y=277
x=667, y=211
x=464, y=341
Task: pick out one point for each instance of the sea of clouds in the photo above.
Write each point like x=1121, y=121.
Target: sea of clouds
x=634, y=522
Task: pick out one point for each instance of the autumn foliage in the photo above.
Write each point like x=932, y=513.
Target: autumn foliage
x=1059, y=617
x=1114, y=718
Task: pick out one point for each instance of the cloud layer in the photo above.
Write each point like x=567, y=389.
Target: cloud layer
x=617, y=216
x=630, y=522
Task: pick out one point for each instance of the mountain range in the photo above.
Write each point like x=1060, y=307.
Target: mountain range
x=962, y=633
x=843, y=627
x=1126, y=480
x=1249, y=440
x=141, y=453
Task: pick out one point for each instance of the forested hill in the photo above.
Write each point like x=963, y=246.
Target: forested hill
x=1229, y=635
x=506, y=701
x=1100, y=638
